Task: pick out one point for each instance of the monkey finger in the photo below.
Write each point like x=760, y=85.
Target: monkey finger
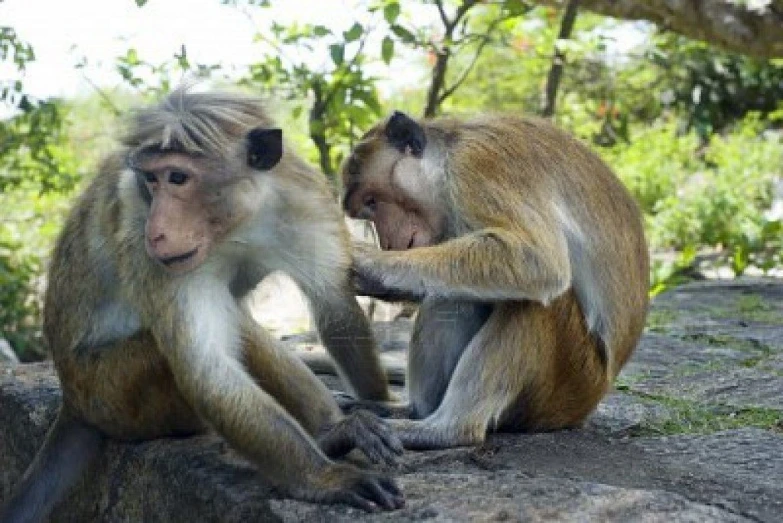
x=376, y=438
x=387, y=435
x=356, y=500
x=375, y=450
x=390, y=485
x=382, y=491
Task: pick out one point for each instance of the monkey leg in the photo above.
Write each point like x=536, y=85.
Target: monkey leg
x=528, y=368
x=441, y=333
x=126, y=390
x=306, y=398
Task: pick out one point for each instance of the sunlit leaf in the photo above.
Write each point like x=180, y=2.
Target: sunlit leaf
x=403, y=34
x=353, y=33
x=337, y=51
x=391, y=11
x=320, y=30
x=387, y=49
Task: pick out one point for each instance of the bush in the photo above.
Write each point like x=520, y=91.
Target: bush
x=714, y=202
x=19, y=301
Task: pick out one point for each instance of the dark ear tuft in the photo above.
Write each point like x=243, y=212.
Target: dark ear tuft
x=264, y=148
x=404, y=134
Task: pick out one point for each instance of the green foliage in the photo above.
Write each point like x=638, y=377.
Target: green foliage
x=341, y=99
x=711, y=203
x=27, y=137
x=34, y=165
x=19, y=304
x=153, y=80
x=713, y=88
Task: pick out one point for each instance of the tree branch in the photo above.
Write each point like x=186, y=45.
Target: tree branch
x=729, y=24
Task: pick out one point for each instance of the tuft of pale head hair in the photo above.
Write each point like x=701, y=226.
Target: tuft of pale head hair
x=206, y=124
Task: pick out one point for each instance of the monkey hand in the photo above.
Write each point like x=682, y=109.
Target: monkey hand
x=367, y=277
x=344, y=483
x=365, y=431
x=366, y=281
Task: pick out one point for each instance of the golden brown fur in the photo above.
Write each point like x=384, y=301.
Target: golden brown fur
x=529, y=258
x=145, y=318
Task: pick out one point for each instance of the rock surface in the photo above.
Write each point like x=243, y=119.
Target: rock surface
x=693, y=433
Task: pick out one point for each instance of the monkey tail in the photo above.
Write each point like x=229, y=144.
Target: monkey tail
x=322, y=363
x=69, y=448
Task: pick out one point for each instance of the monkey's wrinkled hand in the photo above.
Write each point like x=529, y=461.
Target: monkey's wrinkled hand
x=367, y=277
x=344, y=483
x=365, y=431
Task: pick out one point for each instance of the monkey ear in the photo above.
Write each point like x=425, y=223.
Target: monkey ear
x=264, y=148
x=404, y=134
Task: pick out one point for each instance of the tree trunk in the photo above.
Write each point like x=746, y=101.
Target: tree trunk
x=556, y=71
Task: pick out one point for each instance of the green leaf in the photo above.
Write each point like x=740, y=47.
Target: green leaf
x=403, y=34
x=132, y=57
x=353, y=33
x=387, y=49
x=338, y=53
x=141, y=3
x=391, y=11
x=320, y=30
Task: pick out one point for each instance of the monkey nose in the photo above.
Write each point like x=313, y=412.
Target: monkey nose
x=156, y=238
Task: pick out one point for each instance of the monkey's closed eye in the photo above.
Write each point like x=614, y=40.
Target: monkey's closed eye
x=369, y=206
x=178, y=177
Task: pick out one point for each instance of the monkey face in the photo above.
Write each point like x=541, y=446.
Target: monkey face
x=180, y=229
x=386, y=182
x=194, y=202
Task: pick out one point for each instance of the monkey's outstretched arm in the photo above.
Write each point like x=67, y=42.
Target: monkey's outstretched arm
x=487, y=265
x=284, y=376
x=346, y=334
x=203, y=348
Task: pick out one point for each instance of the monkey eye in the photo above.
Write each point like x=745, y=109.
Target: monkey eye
x=149, y=177
x=353, y=166
x=369, y=205
x=178, y=177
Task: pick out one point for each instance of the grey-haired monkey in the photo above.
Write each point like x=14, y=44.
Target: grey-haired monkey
x=529, y=260
x=145, y=318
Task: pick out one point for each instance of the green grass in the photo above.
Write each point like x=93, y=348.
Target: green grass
x=688, y=417
x=659, y=320
x=753, y=308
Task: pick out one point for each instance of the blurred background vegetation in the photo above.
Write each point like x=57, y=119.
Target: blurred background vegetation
x=687, y=110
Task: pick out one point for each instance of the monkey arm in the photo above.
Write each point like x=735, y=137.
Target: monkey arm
x=201, y=340
x=346, y=334
x=203, y=350
x=486, y=265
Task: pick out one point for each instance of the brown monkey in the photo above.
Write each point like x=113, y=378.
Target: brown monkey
x=529, y=260
x=145, y=318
